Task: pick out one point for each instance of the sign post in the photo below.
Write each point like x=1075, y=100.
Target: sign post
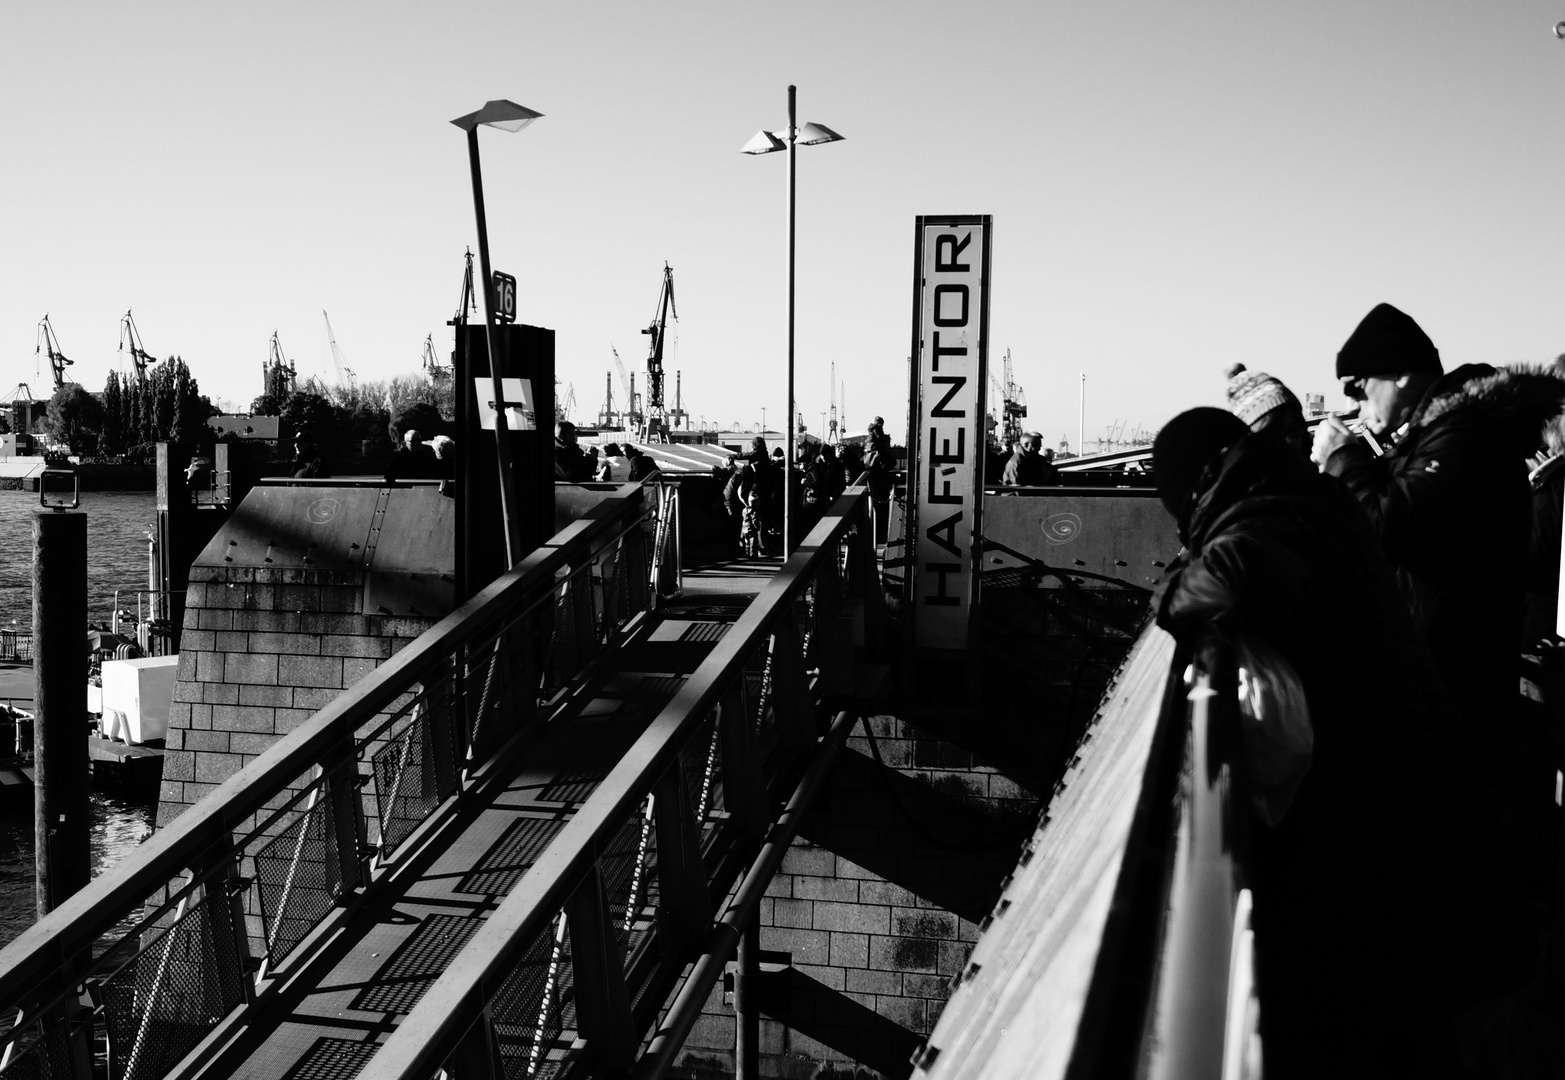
x=950, y=374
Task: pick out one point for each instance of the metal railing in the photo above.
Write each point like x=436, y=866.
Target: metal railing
x=16, y=645
x=1173, y=994
x=142, y=965
x=575, y=964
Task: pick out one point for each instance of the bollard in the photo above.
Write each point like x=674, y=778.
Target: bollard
x=60, y=803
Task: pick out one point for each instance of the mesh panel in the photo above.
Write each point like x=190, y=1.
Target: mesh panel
x=406, y=789
x=163, y=1002
x=703, y=774
x=332, y=1059
x=297, y=875
x=416, y=964
x=629, y=868
x=533, y=1006
x=47, y=1058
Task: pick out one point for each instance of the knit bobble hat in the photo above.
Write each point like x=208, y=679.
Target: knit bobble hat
x=1388, y=342
x=1183, y=449
x=1253, y=394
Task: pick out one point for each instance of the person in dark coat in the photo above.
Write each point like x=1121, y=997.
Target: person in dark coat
x=642, y=467
x=1451, y=506
x=1375, y=900
x=1028, y=467
x=413, y=460
x=570, y=461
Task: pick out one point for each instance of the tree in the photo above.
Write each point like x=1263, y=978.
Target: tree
x=305, y=411
x=112, y=441
x=75, y=418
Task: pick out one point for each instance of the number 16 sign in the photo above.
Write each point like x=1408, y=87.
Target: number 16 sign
x=504, y=297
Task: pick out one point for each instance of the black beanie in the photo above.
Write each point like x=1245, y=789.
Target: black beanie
x=1184, y=447
x=1387, y=342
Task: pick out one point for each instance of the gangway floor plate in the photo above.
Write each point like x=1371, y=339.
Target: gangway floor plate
x=358, y=985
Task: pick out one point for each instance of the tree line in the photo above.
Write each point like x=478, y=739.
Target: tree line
x=131, y=416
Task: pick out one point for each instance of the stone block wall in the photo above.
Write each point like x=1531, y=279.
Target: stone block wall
x=261, y=651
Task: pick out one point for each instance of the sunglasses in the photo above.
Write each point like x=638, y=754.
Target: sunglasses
x=1353, y=388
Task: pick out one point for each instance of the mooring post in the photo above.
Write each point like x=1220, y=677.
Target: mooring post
x=60, y=804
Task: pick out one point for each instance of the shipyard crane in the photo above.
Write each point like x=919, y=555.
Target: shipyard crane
x=431, y=361
x=628, y=381
x=656, y=427
x=130, y=341
x=277, y=370
x=344, y=372
x=58, y=361
x=1013, y=405
x=606, y=414
x=831, y=425
x=468, y=302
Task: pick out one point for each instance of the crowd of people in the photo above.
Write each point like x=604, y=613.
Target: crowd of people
x=752, y=485
x=1404, y=562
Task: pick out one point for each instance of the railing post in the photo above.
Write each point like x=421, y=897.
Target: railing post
x=790, y=688
x=602, y=999
x=476, y=1056
x=685, y=900
x=744, y=790
x=348, y=829
x=225, y=892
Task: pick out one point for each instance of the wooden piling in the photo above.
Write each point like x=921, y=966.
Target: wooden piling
x=60, y=794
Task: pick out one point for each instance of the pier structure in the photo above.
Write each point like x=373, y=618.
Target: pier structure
x=605, y=816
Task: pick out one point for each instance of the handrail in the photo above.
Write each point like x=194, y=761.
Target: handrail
x=1170, y=992
x=445, y=1017
x=206, y=842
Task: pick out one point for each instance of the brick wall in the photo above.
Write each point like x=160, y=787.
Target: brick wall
x=261, y=651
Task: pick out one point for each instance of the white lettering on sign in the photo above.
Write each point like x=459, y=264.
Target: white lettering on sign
x=519, y=412
x=944, y=475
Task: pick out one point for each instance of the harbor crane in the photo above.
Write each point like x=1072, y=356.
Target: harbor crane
x=632, y=401
x=130, y=341
x=278, y=372
x=468, y=302
x=431, y=361
x=58, y=361
x=344, y=372
x=1013, y=405
x=606, y=414
x=656, y=427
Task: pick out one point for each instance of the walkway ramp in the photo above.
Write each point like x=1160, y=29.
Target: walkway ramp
x=499, y=853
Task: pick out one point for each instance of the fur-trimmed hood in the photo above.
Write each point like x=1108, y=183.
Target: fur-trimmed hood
x=1526, y=398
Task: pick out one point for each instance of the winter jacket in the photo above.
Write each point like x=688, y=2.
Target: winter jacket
x=1541, y=602
x=1373, y=860
x=1450, y=503
x=1029, y=470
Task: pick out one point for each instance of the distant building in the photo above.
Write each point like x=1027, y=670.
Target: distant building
x=261, y=428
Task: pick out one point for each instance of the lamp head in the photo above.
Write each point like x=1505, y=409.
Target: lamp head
x=500, y=113
x=765, y=142
x=815, y=134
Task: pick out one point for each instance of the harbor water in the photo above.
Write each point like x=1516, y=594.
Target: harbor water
x=117, y=527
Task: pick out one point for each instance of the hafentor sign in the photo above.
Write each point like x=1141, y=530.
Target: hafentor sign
x=946, y=441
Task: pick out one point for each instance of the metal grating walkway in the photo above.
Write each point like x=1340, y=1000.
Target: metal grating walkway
x=351, y=992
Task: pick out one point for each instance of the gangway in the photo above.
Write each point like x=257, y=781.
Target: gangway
x=494, y=855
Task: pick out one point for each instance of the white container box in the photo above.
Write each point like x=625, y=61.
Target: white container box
x=136, y=697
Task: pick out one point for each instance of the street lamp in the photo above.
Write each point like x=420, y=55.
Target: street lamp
x=507, y=116
x=767, y=142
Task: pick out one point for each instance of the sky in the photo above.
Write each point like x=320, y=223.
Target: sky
x=1175, y=187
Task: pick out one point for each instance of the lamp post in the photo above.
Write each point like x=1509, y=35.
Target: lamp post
x=767, y=142
x=507, y=116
